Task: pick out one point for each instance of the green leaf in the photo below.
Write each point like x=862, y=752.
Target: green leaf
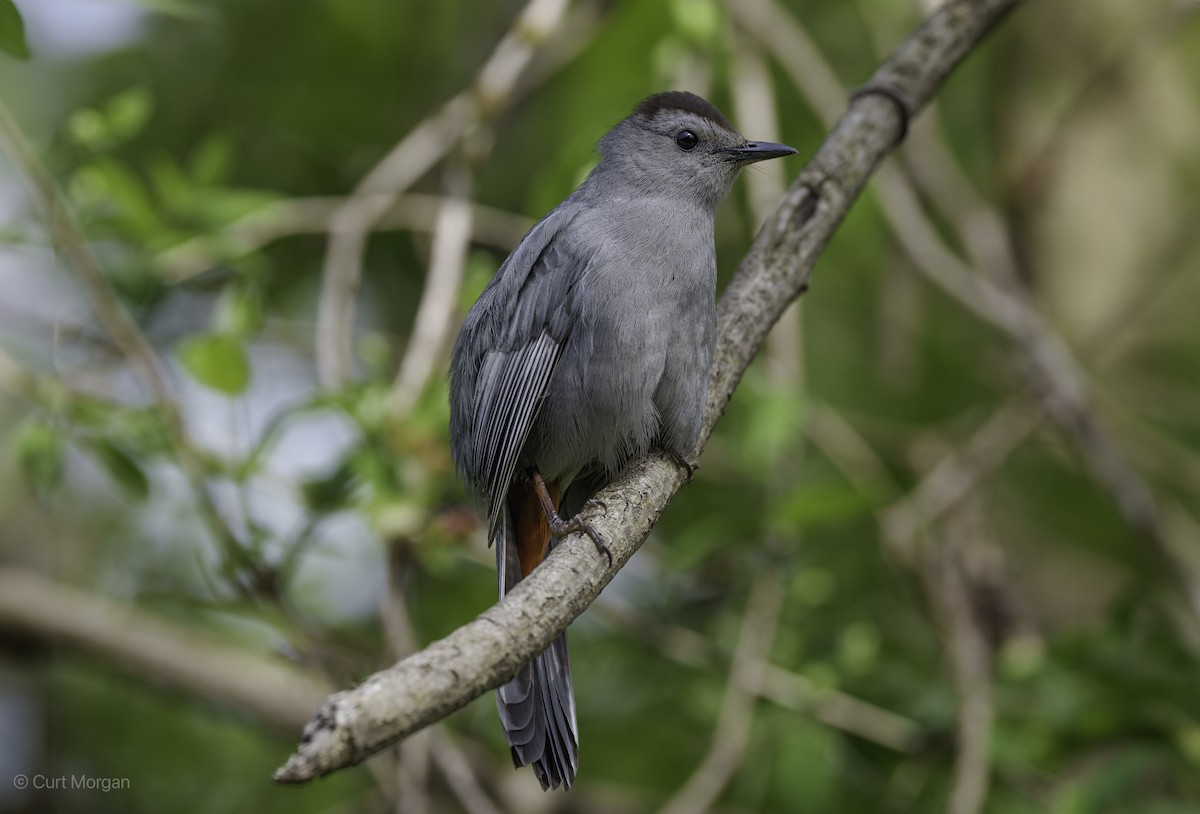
x=239, y=310
x=120, y=119
x=12, y=31
x=216, y=361
x=110, y=187
x=212, y=161
x=333, y=491
x=171, y=185
x=858, y=647
x=40, y=454
x=804, y=759
x=698, y=20
x=87, y=128
x=217, y=207
x=124, y=469
x=128, y=112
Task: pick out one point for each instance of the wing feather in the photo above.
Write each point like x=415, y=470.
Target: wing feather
x=506, y=356
x=506, y=415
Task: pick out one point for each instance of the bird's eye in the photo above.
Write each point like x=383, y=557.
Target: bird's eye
x=687, y=140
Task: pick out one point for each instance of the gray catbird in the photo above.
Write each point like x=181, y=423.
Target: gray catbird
x=591, y=344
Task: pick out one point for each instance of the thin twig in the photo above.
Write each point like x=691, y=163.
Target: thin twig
x=69, y=239
x=435, y=315
x=954, y=478
x=116, y=320
x=412, y=774
x=436, y=746
x=309, y=216
x=1059, y=382
x=493, y=89
x=1150, y=37
x=945, y=572
x=732, y=732
x=459, y=775
x=778, y=685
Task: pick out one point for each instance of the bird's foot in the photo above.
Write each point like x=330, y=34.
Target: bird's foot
x=593, y=503
x=561, y=528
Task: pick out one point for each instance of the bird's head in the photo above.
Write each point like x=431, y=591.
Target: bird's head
x=678, y=143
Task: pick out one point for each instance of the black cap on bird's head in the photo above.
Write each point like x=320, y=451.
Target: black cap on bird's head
x=678, y=140
x=652, y=105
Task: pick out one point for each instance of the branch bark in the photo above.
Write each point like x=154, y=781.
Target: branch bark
x=481, y=655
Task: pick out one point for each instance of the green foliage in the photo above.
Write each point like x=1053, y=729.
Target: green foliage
x=218, y=361
x=119, y=120
x=40, y=455
x=12, y=31
x=125, y=470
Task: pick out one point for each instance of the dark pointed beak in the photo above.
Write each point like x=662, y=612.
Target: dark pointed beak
x=753, y=151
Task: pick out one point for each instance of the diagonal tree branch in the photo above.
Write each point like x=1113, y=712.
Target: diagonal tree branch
x=445, y=676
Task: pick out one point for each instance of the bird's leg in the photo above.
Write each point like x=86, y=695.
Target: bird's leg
x=562, y=527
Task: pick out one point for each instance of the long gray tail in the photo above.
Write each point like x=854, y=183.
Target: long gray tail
x=537, y=707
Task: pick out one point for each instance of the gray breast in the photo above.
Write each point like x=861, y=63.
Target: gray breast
x=637, y=361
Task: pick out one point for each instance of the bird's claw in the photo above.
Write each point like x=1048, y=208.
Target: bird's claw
x=561, y=528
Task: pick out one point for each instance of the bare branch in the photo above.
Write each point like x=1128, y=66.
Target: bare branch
x=779, y=685
x=445, y=753
x=1059, y=382
x=946, y=577
x=954, y=478
x=732, y=732
x=841, y=711
x=484, y=653
x=312, y=216
x=435, y=315
x=150, y=648
x=493, y=89
x=459, y=774
x=82, y=260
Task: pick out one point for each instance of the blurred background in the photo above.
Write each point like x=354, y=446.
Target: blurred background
x=943, y=553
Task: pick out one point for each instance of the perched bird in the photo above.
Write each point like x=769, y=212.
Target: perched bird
x=592, y=344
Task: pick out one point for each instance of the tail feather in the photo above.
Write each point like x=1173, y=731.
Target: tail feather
x=537, y=706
